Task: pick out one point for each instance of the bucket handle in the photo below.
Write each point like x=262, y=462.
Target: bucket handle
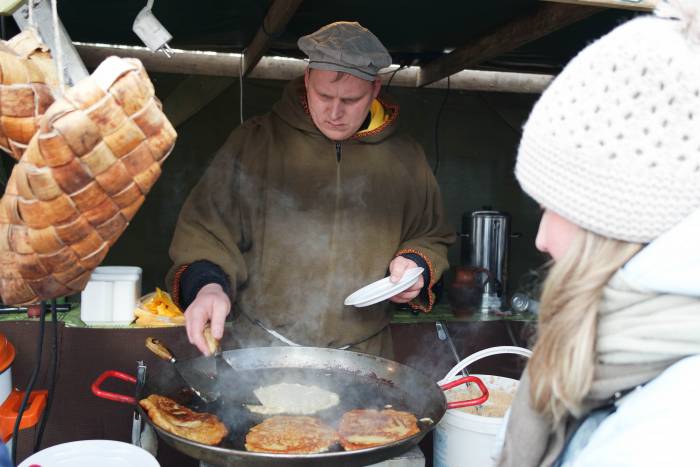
x=469, y=402
x=503, y=349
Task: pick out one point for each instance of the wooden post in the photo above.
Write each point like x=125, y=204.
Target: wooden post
x=545, y=19
x=277, y=17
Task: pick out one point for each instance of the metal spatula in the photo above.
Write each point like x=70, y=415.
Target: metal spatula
x=200, y=381
x=215, y=350
x=242, y=388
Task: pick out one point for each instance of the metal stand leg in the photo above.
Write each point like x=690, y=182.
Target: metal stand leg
x=74, y=69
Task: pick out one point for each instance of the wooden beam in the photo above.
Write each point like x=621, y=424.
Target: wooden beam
x=641, y=5
x=276, y=19
x=279, y=68
x=544, y=19
x=194, y=62
x=477, y=80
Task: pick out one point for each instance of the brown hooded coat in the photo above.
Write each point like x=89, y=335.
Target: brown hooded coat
x=296, y=230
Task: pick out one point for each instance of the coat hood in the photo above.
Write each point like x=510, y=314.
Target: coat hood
x=293, y=109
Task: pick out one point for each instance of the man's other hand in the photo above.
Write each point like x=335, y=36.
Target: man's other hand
x=396, y=268
x=210, y=305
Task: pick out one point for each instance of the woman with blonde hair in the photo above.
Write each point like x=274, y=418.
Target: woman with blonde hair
x=611, y=152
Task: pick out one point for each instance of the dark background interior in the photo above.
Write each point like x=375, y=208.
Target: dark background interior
x=471, y=136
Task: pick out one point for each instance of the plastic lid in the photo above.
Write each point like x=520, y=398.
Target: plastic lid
x=116, y=273
x=118, y=270
x=7, y=353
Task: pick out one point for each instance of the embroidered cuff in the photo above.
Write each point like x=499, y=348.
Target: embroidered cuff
x=190, y=278
x=421, y=263
x=427, y=293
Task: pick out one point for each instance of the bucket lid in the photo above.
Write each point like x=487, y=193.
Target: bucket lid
x=7, y=353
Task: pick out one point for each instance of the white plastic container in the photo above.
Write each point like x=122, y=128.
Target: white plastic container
x=111, y=295
x=465, y=439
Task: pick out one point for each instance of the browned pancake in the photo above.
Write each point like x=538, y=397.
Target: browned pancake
x=203, y=428
x=287, y=434
x=361, y=429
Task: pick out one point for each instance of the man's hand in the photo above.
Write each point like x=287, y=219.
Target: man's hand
x=210, y=305
x=396, y=268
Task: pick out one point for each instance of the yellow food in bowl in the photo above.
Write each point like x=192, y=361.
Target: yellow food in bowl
x=161, y=304
x=158, y=309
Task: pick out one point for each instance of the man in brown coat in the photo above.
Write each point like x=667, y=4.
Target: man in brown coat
x=308, y=203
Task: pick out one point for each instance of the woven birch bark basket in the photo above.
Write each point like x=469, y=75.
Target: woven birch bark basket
x=27, y=76
x=80, y=181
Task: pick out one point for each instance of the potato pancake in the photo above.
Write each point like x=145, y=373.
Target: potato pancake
x=361, y=429
x=287, y=434
x=174, y=418
x=292, y=399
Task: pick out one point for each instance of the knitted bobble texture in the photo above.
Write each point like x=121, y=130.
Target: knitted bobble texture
x=613, y=144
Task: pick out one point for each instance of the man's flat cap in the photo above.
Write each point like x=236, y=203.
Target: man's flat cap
x=348, y=47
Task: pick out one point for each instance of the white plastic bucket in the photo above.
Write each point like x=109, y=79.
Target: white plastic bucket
x=462, y=439
x=6, y=380
x=111, y=295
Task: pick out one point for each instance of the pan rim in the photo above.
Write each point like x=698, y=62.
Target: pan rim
x=391, y=367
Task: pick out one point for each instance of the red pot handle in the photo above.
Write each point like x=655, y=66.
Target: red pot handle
x=113, y=396
x=470, y=402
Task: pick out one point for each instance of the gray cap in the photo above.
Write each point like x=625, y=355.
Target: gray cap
x=345, y=46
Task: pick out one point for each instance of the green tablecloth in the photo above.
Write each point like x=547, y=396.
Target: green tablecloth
x=441, y=312
x=69, y=318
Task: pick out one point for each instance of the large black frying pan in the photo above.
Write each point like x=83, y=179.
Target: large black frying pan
x=360, y=380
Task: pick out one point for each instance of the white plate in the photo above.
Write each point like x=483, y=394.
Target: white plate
x=91, y=453
x=383, y=289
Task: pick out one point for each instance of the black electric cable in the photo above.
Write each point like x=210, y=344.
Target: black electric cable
x=32, y=381
x=52, y=377
x=393, y=73
x=437, y=124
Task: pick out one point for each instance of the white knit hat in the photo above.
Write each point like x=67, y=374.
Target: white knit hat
x=613, y=144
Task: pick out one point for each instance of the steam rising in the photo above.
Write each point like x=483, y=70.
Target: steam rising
x=436, y=363
x=305, y=249
x=307, y=244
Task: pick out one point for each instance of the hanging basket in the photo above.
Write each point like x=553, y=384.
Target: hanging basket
x=80, y=181
x=27, y=77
